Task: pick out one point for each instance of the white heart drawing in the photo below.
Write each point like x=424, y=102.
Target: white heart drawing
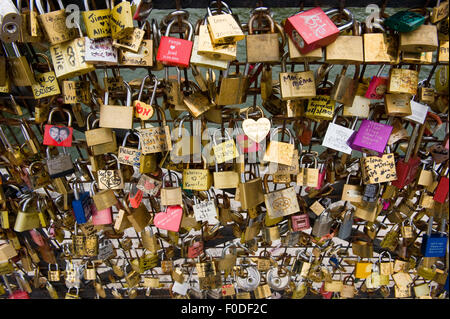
x=172, y=47
x=256, y=130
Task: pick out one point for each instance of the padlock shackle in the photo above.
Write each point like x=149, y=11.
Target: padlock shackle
x=278, y=129
x=380, y=257
x=168, y=174
x=228, y=137
x=264, y=15
x=224, y=7
x=53, y=110
x=349, y=15
x=183, y=21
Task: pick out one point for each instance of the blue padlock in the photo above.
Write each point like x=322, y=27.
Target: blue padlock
x=82, y=206
x=434, y=245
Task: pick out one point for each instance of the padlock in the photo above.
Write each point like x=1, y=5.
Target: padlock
x=322, y=225
x=380, y=47
x=121, y=19
x=97, y=22
x=280, y=152
x=144, y=55
x=58, y=135
x=225, y=151
x=308, y=176
x=100, y=51
x=402, y=81
x=280, y=202
x=27, y=218
x=156, y=138
x=422, y=39
x=90, y=271
x=371, y=137
x=216, y=54
x=114, y=116
x=81, y=205
x=433, y=245
x=405, y=21
x=101, y=140
x=171, y=195
x=60, y=165
x=346, y=48
x=69, y=58
x=46, y=84
x=132, y=42
x=111, y=178
x=21, y=73
x=312, y=29
x=344, y=89
x=54, y=24
x=263, y=47
x=103, y=199
x=233, y=87
x=336, y=136
x=223, y=27
x=295, y=85
x=173, y=51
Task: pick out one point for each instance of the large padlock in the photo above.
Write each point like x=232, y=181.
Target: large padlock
x=346, y=48
x=54, y=24
x=60, y=165
x=422, y=39
x=217, y=53
x=233, y=87
x=296, y=85
x=263, y=47
x=171, y=195
x=97, y=22
x=223, y=28
x=280, y=152
x=121, y=20
x=434, y=245
x=69, y=58
x=336, y=136
x=27, y=217
x=114, y=116
x=58, y=135
x=82, y=205
x=173, y=51
x=371, y=137
x=312, y=29
x=46, y=83
x=21, y=73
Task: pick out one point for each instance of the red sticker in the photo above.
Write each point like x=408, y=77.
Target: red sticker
x=58, y=135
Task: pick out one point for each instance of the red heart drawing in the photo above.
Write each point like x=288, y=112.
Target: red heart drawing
x=58, y=135
x=170, y=219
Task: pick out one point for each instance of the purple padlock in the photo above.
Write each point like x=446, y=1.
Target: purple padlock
x=371, y=138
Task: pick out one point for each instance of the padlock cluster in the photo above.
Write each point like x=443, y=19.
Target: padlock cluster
x=179, y=186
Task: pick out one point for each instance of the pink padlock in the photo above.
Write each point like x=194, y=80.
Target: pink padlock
x=101, y=217
x=371, y=138
x=322, y=174
x=300, y=222
x=377, y=86
x=246, y=145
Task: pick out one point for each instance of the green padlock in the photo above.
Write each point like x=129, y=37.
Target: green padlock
x=405, y=21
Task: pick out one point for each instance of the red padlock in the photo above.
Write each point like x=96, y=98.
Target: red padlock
x=322, y=173
x=300, y=222
x=325, y=294
x=377, y=86
x=135, y=197
x=441, y=192
x=174, y=51
x=312, y=29
x=406, y=171
x=195, y=249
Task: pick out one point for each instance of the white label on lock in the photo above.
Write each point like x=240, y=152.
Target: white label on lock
x=100, y=51
x=336, y=138
x=419, y=112
x=206, y=211
x=180, y=289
